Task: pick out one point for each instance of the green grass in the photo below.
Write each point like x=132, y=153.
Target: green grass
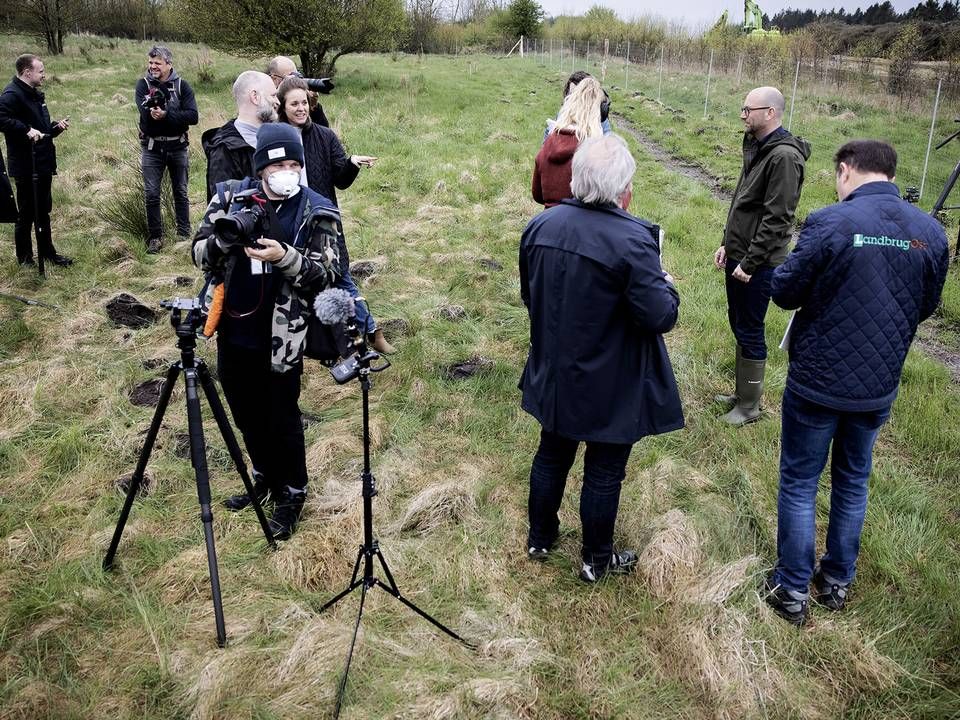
x=456, y=138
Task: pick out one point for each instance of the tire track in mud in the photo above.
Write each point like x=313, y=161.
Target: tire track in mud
x=673, y=162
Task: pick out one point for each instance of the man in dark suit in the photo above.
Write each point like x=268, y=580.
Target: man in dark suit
x=25, y=122
x=597, y=370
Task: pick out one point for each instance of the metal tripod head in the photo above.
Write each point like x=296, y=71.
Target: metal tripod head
x=359, y=364
x=186, y=316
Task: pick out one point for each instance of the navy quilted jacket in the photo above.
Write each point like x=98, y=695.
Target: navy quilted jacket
x=864, y=274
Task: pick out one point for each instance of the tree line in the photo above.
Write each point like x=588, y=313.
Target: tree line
x=318, y=32
x=877, y=14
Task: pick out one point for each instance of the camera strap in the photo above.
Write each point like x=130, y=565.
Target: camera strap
x=276, y=227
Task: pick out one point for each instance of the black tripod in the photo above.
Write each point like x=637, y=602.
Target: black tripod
x=358, y=366
x=951, y=181
x=194, y=372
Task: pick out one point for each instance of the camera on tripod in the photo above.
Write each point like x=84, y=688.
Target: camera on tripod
x=246, y=225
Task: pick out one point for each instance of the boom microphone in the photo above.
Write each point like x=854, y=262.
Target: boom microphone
x=334, y=306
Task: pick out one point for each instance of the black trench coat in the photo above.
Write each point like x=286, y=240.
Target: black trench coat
x=8, y=206
x=597, y=368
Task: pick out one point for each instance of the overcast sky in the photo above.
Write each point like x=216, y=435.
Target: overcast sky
x=695, y=13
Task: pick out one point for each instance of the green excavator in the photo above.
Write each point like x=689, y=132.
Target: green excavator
x=752, y=21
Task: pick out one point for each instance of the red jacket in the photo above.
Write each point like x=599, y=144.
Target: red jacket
x=553, y=168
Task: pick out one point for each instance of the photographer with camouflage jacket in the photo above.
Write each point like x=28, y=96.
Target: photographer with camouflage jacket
x=267, y=291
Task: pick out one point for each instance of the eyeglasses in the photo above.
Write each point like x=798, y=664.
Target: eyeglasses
x=746, y=109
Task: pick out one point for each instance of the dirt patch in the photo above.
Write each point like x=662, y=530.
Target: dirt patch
x=468, y=368
x=673, y=163
x=147, y=394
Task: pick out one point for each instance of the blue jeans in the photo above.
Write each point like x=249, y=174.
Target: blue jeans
x=808, y=431
x=747, y=308
x=173, y=157
x=365, y=322
x=604, y=467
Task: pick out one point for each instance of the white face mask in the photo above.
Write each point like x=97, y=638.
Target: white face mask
x=284, y=182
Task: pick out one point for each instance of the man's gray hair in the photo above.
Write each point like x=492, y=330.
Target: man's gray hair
x=602, y=170
x=161, y=51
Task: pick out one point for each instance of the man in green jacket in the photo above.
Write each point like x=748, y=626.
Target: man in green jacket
x=756, y=237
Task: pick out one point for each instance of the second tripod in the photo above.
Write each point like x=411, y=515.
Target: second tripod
x=185, y=317
x=359, y=366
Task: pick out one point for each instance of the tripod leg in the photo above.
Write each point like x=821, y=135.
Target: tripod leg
x=142, y=461
x=395, y=591
x=226, y=432
x=198, y=458
x=350, y=588
x=938, y=205
x=353, y=642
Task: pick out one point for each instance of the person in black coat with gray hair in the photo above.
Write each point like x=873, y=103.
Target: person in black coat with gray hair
x=597, y=370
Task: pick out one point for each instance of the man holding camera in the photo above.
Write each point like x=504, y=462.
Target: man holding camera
x=864, y=274
x=230, y=148
x=597, y=370
x=167, y=109
x=282, y=67
x=272, y=245
x=755, y=239
x=25, y=121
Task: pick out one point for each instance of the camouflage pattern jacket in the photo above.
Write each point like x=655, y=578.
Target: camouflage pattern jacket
x=307, y=269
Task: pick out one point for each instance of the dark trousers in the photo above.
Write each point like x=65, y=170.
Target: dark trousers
x=747, y=308
x=604, y=467
x=808, y=432
x=264, y=408
x=25, y=202
x=173, y=157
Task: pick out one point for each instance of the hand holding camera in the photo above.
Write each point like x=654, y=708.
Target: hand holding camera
x=265, y=249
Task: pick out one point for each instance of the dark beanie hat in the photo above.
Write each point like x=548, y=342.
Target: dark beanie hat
x=276, y=142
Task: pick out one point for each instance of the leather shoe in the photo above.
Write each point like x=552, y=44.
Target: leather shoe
x=26, y=261
x=58, y=259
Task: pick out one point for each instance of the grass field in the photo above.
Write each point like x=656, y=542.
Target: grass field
x=441, y=214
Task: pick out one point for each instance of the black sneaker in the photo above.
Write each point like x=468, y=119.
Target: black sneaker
x=286, y=512
x=621, y=562
x=791, y=605
x=58, y=259
x=236, y=503
x=26, y=261
x=832, y=595
x=538, y=554
x=154, y=245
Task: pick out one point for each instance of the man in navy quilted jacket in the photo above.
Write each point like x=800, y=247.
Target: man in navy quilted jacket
x=864, y=274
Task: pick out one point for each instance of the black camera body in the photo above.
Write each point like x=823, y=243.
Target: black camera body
x=246, y=225
x=156, y=98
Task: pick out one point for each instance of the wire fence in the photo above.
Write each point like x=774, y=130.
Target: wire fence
x=904, y=85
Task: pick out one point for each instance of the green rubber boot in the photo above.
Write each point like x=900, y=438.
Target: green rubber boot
x=730, y=400
x=749, y=391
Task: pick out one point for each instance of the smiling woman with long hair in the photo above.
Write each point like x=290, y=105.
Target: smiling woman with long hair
x=327, y=168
